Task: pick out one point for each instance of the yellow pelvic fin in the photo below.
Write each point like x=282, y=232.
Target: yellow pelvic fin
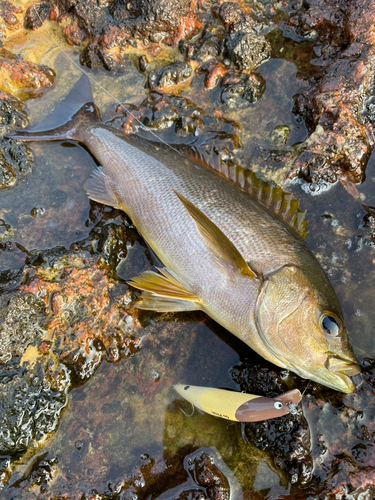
x=164, y=292
x=99, y=188
x=216, y=240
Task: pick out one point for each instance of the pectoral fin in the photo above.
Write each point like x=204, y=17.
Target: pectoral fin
x=164, y=292
x=216, y=241
x=99, y=188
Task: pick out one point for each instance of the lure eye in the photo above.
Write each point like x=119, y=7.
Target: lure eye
x=278, y=405
x=331, y=324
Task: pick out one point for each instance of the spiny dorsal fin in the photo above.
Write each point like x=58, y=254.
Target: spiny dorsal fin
x=216, y=240
x=281, y=203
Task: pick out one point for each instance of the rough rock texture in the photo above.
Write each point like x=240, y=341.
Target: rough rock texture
x=49, y=336
x=343, y=466
x=23, y=79
x=36, y=14
x=119, y=24
x=177, y=119
x=334, y=105
x=170, y=75
x=368, y=224
x=12, y=111
x=8, y=18
x=240, y=90
x=190, y=475
x=243, y=45
x=15, y=160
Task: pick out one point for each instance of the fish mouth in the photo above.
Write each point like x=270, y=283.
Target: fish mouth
x=340, y=372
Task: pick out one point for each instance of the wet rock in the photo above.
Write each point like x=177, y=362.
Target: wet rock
x=177, y=73
x=86, y=17
x=344, y=464
x=40, y=473
x=23, y=79
x=33, y=391
x=246, y=50
x=287, y=439
x=38, y=365
x=9, y=17
x=368, y=224
x=334, y=104
x=239, y=91
x=196, y=475
x=32, y=396
x=143, y=63
x=12, y=111
x=21, y=324
x=13, y=255
x=207, y=48
x=244, y=46
x=15, y=161
x=339, y=455
x=36, y=14
x=177, y=120
x=119, y=24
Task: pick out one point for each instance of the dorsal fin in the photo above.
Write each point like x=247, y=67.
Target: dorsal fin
x=281, y=203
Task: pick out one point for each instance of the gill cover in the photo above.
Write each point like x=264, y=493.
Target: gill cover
x=282, y=294
x=289, y=315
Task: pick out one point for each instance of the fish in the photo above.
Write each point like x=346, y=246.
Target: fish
x=238, y=406
x=231, y=245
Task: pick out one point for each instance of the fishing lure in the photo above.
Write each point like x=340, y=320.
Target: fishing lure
x=237, y=406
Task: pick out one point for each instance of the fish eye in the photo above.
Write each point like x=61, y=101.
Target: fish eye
x=278, y=405
x=331, y=324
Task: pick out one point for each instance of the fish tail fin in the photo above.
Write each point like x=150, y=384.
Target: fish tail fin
x=74, y=113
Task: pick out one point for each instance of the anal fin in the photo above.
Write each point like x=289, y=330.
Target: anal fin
x=151, y=302
x=164, y=292
x=99, y=188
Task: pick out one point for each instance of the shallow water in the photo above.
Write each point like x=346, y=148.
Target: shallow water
x=127, y=410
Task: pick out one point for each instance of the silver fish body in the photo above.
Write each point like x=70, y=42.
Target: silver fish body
x=278, y=311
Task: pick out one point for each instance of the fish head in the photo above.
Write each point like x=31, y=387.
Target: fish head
x=300, y=323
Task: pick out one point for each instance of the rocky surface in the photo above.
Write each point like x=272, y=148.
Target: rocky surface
x=15, y=160
x=336, y=105
x=12, y=112
x=119, y=25
x=9, y=18
x=68, y=326
x=23, y=79
x=336, y=102
x=240, y=90
x=244, y=46
x=173, y=74
x=179, y=121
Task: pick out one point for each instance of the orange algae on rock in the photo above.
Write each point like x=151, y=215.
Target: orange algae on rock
x=336, y=104
x=23, y=79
